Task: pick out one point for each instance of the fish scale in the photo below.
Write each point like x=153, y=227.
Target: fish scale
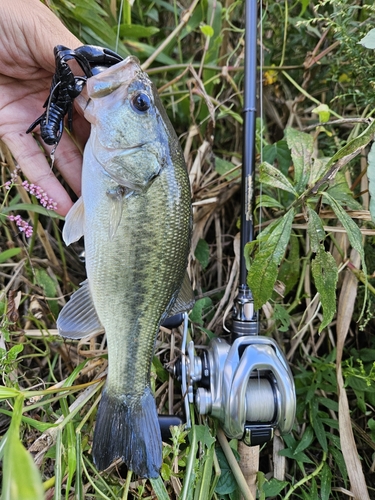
x=135, y=214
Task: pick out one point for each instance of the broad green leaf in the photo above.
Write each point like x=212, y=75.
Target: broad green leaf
x=8, y=254
x=318, y=168
x=280, y=152
x=281, y=314
x=325, y=482
x=371, y=178
x=325, y=274
x=289, y=272
x=315, y=229
x=202, y=253
x=368, y=41
x=263, y=271
x=196, y=315
x=137, y=31
x=222, y=167
x=44, y=280
x=271, y=176
x=267, y=201
x=298, y=457
x=273, y=487
x=342, y=193
x=302, y=147
x=226, y=483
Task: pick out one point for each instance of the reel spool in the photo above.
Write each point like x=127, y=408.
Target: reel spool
x=247, y=386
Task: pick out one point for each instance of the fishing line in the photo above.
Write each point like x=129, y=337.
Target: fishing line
x=119, y=24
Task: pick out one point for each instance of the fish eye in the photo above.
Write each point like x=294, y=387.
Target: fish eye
x=141, y=102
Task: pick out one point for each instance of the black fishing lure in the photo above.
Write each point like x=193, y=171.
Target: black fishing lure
x=65, y=87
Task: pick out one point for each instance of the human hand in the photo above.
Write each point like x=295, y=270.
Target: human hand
x=28, y=33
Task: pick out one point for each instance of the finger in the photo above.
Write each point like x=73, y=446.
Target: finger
x=68, y=160
x=36, y=168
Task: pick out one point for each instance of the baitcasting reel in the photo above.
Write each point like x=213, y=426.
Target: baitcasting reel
x=247, y=386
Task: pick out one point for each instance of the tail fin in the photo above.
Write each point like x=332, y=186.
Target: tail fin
x=130, y=431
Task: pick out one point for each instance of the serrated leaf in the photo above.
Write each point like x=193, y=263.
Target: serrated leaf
x=273, y=177
x=325, y=482
x=263, y=271
x=301, y=146
x=280, y=152
x=202, y=253
x=325, y=274
x=371, y=178
x=204, y=435
x=315, y=229
x=368, y=41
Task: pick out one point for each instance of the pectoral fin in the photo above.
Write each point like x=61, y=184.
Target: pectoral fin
x=74, y=223
x=78, y=317
x=185, y=299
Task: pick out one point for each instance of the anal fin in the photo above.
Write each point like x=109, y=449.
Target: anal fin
x=78, y=318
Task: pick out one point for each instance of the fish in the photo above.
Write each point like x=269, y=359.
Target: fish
x=136, y=218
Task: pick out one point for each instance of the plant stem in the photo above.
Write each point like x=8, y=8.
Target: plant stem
x=241, y=481
x=306, y=478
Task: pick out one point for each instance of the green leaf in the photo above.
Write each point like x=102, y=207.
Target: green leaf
x=280, y=152
x=318, y=425
x=368, y=41
x=281, y=314
x=207, y=30
x=323, y=112
x=326, y=481
x=196, y=315
x=371, y=178
x=306, y=440
x=302, y=147
x=263, y=271
x=8, y=392
x=202, y=253
x=289, y=272
x=325, y=274
x=226, y=483
x=315, y=229
x=273, y=487
x=30, y=207
x=267, y=201
x=222, y=167
x=353, y=232
x=298, y=457
x=204, y=435
x=18, y=463
x=137, y=31
x=159, y=488
x=8, y=254
x=318, y=168
x=273, y=177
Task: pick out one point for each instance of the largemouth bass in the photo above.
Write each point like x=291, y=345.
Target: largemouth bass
x=135, y=215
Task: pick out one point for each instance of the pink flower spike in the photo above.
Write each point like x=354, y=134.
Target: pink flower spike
x=22, y=225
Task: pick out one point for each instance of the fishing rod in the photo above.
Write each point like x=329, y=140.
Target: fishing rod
x=246, y=384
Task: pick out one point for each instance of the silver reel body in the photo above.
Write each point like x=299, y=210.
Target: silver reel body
x=247, y=386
